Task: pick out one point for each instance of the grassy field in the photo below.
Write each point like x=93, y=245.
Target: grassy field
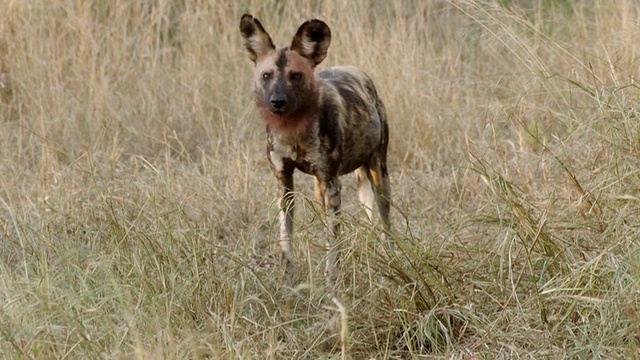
x=138, y=215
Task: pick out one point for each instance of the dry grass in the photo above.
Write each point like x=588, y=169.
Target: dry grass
x=137, y=212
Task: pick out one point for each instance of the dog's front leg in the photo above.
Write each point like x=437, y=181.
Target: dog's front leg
x=330, y=190
x=285, y=181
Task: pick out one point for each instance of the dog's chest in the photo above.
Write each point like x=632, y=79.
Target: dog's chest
x=303, y=154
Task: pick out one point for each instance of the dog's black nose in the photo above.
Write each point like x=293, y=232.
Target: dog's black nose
x=278, y=101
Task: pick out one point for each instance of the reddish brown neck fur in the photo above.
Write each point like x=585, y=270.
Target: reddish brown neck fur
x=292, y=124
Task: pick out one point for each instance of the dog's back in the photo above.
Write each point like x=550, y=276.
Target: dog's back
x=348, y=100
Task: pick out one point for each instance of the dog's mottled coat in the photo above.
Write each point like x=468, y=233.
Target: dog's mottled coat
x=324, y=124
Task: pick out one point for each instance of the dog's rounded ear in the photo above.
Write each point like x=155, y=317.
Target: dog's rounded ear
x=312, y=40
x=255, y=38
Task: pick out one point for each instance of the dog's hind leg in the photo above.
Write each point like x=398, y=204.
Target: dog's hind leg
x=366, y=193
x=380, y=176
x=317, y=192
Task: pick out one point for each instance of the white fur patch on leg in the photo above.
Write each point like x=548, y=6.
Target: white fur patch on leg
x=366, y=193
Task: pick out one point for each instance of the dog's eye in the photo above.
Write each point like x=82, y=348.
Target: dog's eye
x=295, y=76
x=266, y=76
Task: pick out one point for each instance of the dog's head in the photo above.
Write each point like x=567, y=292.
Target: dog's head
x=284, y=82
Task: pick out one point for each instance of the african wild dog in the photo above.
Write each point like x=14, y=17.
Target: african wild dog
x=324, y=124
